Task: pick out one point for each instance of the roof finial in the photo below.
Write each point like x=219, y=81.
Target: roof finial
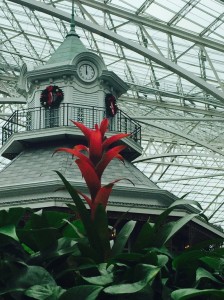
x=73, y=17
x=72, y=25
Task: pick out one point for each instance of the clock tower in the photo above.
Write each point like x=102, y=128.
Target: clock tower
x=75, y=84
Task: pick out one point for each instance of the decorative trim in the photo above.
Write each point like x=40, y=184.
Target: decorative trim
x=34, y=201
x=111, y=105
x=51, y=97
x=111, y=79
x=136, y=205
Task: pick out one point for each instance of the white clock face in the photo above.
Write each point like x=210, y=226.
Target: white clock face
x=87, y=72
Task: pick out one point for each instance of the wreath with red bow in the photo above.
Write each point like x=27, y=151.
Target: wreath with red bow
x=111, y=106
x=51, y=97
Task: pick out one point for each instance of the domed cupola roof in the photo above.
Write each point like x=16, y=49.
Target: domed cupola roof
x=71, y=46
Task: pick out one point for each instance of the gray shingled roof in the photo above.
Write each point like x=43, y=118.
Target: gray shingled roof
x=29, y=180
x=36, y=165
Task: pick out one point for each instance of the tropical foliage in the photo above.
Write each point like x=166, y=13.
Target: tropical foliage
x=55, y=255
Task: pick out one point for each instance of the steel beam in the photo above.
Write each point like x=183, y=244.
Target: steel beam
x=12, y=100
x=126, y=43
x=185, y=119
x=184, y=34
x=171, y=154
x=185, y=136
x=189, y=178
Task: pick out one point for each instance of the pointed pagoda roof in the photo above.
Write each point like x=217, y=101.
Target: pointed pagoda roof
x=71, y=46
x=38, y=186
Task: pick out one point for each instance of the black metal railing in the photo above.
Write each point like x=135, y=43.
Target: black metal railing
x=41, y=118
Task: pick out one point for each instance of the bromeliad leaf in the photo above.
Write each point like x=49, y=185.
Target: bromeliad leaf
x=85, y=216
x=107, y=157
x=101, y=225
x=90, y=177
x=75, y=197
x=114, y=139
x=148, y=229
x=93, y=165
x=74, y=228
x=123, y=237
x=178, y=225
x=162, y=217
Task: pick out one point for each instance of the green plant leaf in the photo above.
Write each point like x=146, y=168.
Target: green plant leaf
x=65, y=246
x=88, y=252
x=55, y=218
x=9, y=291
x=185, y=202
x=141, y=242
x=178, y=225
x=187, y=259
x=215, y=263
x=44, y=292
x=9, y=230
x=122, y=238
x=73, y=208
x=106, y=276
x=46, y=219
x=83, y=292
x=206, y=244
x=99, y=280
x=84, y=213
x=91, y=232
x=186, y=265
x=12, y=216
x=36, y=221
x=162, y=217
x=22, y=277
x=101, y=226
x=39, y=239
x=161, y=236
x=184, y=294
x=162, y=260
x=10, y=269
x=202, y=273
x=129, y=258
x=34, y=275
x=182, y=197
x=27, y=249
x=75, y=229
x=143, y=275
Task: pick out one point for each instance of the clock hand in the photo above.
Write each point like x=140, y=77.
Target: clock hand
x=86, y=70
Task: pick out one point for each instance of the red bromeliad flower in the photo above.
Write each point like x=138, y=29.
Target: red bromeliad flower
x=93, y=165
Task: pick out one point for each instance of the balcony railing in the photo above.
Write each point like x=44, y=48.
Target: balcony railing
x=41, y=118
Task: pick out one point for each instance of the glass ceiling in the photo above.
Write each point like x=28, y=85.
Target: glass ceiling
x=182, y=113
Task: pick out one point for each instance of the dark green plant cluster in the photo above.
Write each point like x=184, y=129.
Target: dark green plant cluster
x=53, y=256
